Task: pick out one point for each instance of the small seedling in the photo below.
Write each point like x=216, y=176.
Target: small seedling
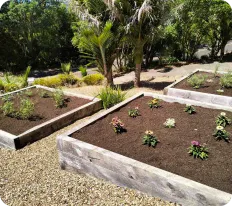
x=220, y=133
x=198, y=151
x=44, y=94
x=190, y=109
x=170, y=123
x=118, y=125
x=28, y=93
x=149, y=139
x=222, y=120
x=133, y=112
x=154, y=103
x=8, y=109
x=26, y=109
x=58, y=96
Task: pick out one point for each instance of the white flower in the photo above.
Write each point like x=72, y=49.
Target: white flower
x=223, y=114
x=188, y=105
x=220, y=128
x=170, y=122
x=149, y=132
x=209, y=80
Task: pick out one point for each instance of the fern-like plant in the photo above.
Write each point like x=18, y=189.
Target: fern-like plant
x=66, y=68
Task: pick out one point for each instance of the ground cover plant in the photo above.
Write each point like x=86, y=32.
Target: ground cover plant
x=190, y=109
x=219, y=85
x=164, y=149
x=27, y=111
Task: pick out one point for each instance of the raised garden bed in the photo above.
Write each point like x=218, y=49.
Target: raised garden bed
x=210, y=92
x=16, y=130
x=166, y=171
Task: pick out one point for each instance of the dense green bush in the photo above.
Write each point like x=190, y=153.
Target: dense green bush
x=93, y=79
x=111, y=97
x=226, y=80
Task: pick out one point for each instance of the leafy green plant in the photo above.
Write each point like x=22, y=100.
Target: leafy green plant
x=220, y=91
x=111, y=97
x=190, y=109
x=66, y=68
x=220, y=133
x=8, y=108
x=198, y=151
x=197, y=81
x=133, y=112
x=222, y=120
x=7, y=97
x=26, y=109
x=53, y=82
x=44, y=94
x=68, y=79
x=1, y=85
x=226, y=80
x=83, y=71
x=28, y=93
x=10, y=87
x=154, y=103
x=170, y=123
x=58, y=96
x=149, y=139
x=25, y=77
x=118, y=125
x=93, y=79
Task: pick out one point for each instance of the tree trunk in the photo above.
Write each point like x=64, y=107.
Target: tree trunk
x=109, y=77
x=137, y=75
x=223, y=45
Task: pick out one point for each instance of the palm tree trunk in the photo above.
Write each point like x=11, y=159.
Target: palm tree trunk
x=137, y=75
x=109, y=77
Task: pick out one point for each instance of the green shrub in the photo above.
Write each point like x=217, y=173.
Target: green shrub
x=8, y=108
x=26, y=109
x=1, y=85
x=25, y=77
x=44, y=94
x=68, y=79
x=111, y=97
x=58, y=96
x=196, y=81
x=93, y=79
x=10, y=87
x=66, y=68
x=53, y=82
x=226, y=80
x=83, y=71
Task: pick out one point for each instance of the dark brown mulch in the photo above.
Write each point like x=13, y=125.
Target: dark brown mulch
x=208, y=87
x=44, y=110
x=171, y=154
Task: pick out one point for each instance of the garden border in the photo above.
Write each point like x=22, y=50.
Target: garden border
x=195, y=95
x=85, y=158
x=38, y=132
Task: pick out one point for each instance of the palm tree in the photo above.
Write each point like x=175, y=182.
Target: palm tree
x=140, y=17
x=100, y=48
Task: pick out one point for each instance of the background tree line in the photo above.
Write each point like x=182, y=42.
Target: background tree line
x=124, y=33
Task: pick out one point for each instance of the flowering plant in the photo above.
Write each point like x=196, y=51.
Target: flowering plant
x=223, y=120
x=149, y=139
x=170, y=123
x=190, y=109
x=198, y=151
x=133, y=112
x=118, y=125
x=154, y=103
x=220, y=133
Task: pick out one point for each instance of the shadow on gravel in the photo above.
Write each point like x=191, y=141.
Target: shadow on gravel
x=152, y=85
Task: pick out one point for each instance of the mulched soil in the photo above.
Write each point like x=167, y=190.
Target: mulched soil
x=45, y=110
x=171, y=154
x=208, y=87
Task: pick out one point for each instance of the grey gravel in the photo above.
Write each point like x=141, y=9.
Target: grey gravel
x=31, y=176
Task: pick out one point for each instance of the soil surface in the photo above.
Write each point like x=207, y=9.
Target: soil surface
x=208, y=87
x=45, y=110
x=171, y=154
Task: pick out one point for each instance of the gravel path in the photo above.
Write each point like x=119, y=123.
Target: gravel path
x=31, y=176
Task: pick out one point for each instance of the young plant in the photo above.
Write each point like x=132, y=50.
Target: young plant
x=223, y=120
x=196, y=81
x=7, y=98
x=220, y=91
x=216, y=70
x=83, y=71
x=198, y=151
x=44, y=94
x=58, y=96
x=149, y=139
x=226, y=80
x=154, y=103
x=133, y=112
x=28, y=93
x=190, y=109
x=66, y=68
x=26, y=109
x=8, y=109
x=25, y=77
x=220, y=133
x=118, y=125
x=170, y=123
